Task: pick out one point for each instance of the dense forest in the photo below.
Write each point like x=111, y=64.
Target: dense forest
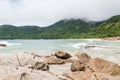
x=64, y=29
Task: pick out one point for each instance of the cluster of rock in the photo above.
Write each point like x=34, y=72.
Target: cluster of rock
x=31, y=66
x=112, y=38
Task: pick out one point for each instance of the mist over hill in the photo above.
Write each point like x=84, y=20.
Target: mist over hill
x=64, y=29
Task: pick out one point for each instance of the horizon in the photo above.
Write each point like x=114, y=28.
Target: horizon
x=43, y=13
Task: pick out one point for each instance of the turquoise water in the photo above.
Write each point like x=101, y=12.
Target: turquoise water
x=104, y=49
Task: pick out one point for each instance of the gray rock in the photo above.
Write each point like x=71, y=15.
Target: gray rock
x=41, y=66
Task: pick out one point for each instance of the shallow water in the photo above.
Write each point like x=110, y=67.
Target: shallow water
x=104, y=49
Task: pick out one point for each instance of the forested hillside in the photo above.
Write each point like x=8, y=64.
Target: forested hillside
x=64, y=29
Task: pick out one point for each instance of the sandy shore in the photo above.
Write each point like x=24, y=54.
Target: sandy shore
x=58, y=66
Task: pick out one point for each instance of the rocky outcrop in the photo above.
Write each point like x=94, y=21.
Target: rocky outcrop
x=81, y=63
x=62, y=55
x=53, y=60
x=80, y=75
x=23, y=66
x=78, y=65
x=103, y=66
x=100, y=70
x=87, y=68
x=27, y=66
x=83, y=57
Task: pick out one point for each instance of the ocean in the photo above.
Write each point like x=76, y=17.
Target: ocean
x=109, y=50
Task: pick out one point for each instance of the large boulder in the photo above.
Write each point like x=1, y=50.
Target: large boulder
x=62, y=55
x=53, y=60
x=104, y=76
x=103, y=66
x=82, y=75
x=78, y=66
x=83, y=57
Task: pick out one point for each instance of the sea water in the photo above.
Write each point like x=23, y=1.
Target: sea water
x=109, y=50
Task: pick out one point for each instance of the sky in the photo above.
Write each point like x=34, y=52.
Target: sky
x=47, y=12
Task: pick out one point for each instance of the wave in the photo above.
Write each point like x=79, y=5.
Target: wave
x=9, y=44
x=92, y=40
x=86, y=46
x=78, y=45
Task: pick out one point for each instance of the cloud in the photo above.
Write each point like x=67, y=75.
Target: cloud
x=46, y=12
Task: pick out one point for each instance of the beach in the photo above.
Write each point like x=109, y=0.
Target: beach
x=70, y=59
x=57, y=66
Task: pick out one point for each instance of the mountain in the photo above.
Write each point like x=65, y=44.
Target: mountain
x=109, y=28
x=23, y=32
x=73, y=28
x=67, y=28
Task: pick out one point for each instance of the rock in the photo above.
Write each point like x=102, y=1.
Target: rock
x=16, y=67
x=35, y=55
x=103, y=76
x=3, y=45
x=83, y=57
x=69, y=60
x=41, y=66
x=86, y=47
x=62, y=55
x=26, y=74
x=103, y=66
x=53, y=60
x=81, y=75
x=78, y=66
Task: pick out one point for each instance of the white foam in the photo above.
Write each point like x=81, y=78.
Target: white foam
x=78, y=45
x=4, y=42
x=9, y=44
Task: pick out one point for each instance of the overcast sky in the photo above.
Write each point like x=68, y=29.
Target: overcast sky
x=46, y=12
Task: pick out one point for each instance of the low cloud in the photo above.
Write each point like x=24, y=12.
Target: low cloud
x=46, y=12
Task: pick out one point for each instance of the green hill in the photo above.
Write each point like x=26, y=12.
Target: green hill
x=23, y=32
x=109, y=28
x=68, y=28
x=73, y=28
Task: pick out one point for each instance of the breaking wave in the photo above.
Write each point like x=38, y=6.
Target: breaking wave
x=78, y=45
x=9, y=43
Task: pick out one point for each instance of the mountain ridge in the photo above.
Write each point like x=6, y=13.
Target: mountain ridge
x=64, y=29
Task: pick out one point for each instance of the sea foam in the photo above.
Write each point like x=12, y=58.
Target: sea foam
x=9, y=43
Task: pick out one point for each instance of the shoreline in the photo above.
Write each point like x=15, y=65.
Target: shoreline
x=112, y=38
x=57, y=66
